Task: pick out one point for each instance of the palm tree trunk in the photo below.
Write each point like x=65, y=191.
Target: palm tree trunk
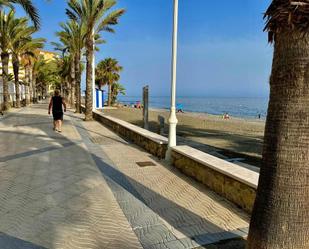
x=35, y=93
x=34, y=90
x=15, y=61
x=77, y=82
x=280, y=217
x=73, y=83
x=89, y=57
x=109, y=101
x=27, y=86
x=30, y=83
x=67, y=92
x=5, y=73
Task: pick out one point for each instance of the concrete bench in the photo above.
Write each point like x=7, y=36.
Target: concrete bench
x=229, y=180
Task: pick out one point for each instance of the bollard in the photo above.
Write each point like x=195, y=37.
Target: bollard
x=146, y=107
x=161, y=125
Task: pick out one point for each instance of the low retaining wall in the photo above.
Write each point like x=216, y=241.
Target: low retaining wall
x=229, y=180
x=150, y=141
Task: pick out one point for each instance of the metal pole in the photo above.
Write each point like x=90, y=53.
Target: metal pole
x=94, y=96
x=173, y=119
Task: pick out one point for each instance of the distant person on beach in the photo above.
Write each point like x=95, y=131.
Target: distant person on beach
x=226, y=116
x=55, y=104
x=259, y=116
x=179, y=108
x=138, y=105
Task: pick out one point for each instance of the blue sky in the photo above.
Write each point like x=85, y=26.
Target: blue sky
x=222, y=48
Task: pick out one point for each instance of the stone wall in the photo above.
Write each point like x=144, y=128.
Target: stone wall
x=236, y=191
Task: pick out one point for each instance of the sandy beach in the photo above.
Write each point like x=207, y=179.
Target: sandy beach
x=235, y=137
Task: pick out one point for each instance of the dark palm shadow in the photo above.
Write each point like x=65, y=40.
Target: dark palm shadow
x=9, y=242
x=35, y=152
x=32, y=124
x=57, y=137
x=228, y=244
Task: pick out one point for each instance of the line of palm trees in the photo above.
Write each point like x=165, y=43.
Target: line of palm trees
x=17, y=43
x=80, y=36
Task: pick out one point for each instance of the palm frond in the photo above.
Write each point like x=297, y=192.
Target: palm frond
x=30, y=9
x=284, y=16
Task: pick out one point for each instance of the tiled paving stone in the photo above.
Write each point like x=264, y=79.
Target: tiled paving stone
x=155, y=219
x=70, y=190
x=52, y=195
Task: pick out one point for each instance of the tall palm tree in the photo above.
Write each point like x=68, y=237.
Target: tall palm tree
x=28, y=47
x=66, y=51
x=63, y=70
x=72, y=37
x=280, y=217
x=22, y=43
x=27, y=63
x=7, y=24
x=28, y=6
x=97, y=17
x=38, y=63
x=48, y=75
x=107, y=73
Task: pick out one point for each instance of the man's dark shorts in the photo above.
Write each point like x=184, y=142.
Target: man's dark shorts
x=58, y=116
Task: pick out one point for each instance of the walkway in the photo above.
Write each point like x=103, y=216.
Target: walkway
x=83, y=189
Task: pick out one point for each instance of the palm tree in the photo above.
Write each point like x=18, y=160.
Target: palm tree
x=7, y=24
x=38, y=63
x=47, y=74
x=97, y=17
x=27, y=62
x=28, y=6
x=107, y=73
x=280, y=217
x=28, y=47
x=72, y=37
x=67, y=62
x=63, y=68
x=117, y=89
x=22, y=43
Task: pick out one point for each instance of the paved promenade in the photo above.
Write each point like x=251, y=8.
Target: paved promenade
x=83, y=189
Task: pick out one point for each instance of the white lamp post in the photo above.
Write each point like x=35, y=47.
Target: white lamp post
x=173, y=119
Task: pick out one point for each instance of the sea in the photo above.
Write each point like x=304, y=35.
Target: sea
x=235, y=107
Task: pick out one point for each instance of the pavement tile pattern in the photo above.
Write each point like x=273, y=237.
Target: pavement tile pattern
x=83, y=189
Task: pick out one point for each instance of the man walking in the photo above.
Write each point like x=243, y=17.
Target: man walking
x=55, y=104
